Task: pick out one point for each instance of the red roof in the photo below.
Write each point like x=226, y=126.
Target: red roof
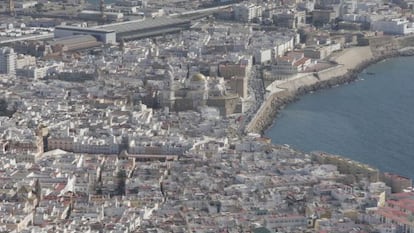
x=59, y=187
x=301, y=61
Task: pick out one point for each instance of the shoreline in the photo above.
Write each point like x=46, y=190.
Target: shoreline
x=285, y=92
x=275, y=101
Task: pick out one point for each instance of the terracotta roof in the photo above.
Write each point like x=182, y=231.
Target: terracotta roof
x=301, y=61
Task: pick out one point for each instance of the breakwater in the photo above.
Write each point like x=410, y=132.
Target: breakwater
x=281, y=93
x=268, y=111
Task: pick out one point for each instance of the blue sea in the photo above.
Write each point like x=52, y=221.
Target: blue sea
x=370, y=120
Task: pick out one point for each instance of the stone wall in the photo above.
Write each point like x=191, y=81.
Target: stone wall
x=268, y=111
x=356, y=170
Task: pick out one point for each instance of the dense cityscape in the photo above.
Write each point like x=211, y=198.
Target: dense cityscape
x=148, y=116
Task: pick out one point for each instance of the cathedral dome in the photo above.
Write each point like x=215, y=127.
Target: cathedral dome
x=198, y=77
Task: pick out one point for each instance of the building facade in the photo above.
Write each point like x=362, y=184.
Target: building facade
x=246, y=13
x=7, y=61
x=399, y=26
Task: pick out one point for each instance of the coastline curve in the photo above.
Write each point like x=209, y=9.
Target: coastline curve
x=351, y=62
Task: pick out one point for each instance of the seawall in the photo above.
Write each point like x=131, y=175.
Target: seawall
x=354, y=171
x=350, y=63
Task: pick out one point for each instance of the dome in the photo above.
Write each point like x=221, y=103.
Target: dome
x=198, y=78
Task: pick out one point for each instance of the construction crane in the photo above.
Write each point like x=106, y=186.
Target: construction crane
x=10, y=7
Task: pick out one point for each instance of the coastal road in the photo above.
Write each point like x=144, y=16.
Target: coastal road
x=347, y=59
x=256, y=92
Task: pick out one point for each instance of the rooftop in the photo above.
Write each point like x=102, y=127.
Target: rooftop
x=136, y=25
x=98, y=30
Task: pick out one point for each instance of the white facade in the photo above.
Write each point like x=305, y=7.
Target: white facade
x=286, y=221
x=290, y=65
x=262, y=56
x=363, y=18
x=86, y=14
x=24, y=5
x=7, y=61
x=399, y=26
x=39, y=72
x=33, y=72
x=25, y=60
x=245, y=13
x=85, y=145
x=96, y=146
x=281, y=48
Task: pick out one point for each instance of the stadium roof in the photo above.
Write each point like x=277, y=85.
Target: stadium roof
x=84, y=29
x=74, y=40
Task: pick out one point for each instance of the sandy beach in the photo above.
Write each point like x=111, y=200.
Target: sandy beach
x=352, y=57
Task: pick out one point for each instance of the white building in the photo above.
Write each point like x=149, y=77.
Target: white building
x=36, y=72
x=263, y=56
x=285, y=221
x=398, y=26
x=24, y=5
x=7, y=61
x=96, y=145
x=91, y=15
x=25, y=60
x=245, y=13
x=282, y=46
x=33, y=72
x=290, y=65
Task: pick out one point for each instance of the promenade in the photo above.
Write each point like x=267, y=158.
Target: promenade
x=281, y=92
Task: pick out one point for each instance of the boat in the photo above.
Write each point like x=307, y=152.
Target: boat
x=370, y=73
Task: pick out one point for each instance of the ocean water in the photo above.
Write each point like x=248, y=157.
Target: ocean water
x=370, y=120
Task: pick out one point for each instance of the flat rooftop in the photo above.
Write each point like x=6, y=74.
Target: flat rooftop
x=5, y=40
x=137, y=25
x=69, y=40
x=80, y=29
